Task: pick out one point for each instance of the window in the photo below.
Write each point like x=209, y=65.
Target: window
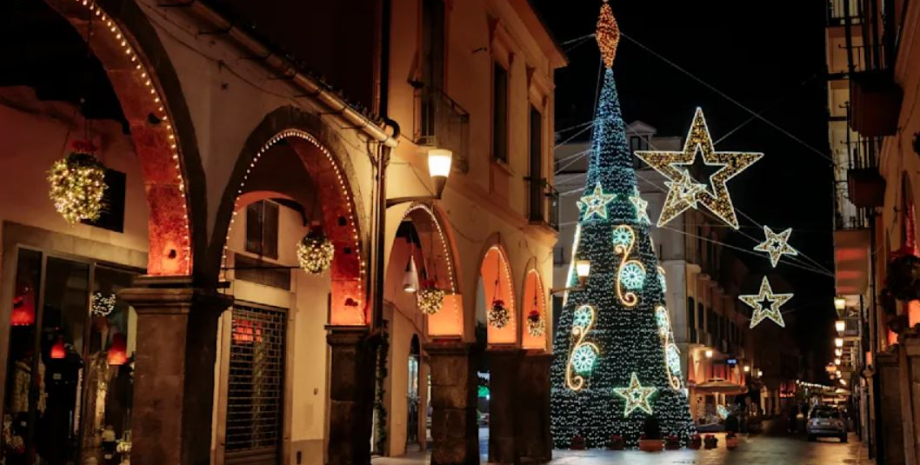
x=432, y=72
x=500, y=113
x=262, y=229
x=536, y=166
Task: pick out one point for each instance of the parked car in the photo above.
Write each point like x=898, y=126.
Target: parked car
x=826, y=421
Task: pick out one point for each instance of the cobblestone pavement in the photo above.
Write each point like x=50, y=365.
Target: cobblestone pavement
x=765, y=449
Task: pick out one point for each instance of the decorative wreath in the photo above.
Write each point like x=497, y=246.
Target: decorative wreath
x=499, y=316
x=78, y=184
x=315, y=252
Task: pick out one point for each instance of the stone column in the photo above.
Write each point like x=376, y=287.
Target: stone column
x=454, y=429
x=505, y=403
x=910, y=396
x=351, y=395
x=173, y=370
x=891, y=435
x=535, y=443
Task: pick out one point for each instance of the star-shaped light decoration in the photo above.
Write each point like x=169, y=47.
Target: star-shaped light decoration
x=641, y=207
x=636, y=396
x=766, y=304
x=684, y=192
x=596, y=203
x=776, y=245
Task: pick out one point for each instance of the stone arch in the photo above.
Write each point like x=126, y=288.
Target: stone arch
x=497, y=282
x=533, y=299
x=152, y=101
x=325, y=160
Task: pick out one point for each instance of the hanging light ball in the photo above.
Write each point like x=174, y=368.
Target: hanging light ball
x=499, y=316
x=315, y=252
x=430, y=300
x=536, y=326
x=78, y=184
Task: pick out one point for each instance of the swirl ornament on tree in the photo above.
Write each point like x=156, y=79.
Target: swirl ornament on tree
x=631, y=272
x=315, y=252
x=430, y=299
x=499, y=315
x=582, y=352
x=536, y=326
x=78, y=184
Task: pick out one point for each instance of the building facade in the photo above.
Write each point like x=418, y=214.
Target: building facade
x=872, y=48
x=180, y=327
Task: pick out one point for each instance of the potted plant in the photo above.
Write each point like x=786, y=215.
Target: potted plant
x=696, y=441
x=650, y=439
x=731, y=440
x=710, y=441
x=616, y=442
x=672, y=443
x=578, y=442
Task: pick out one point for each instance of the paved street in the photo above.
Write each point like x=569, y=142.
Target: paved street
x=764, y=449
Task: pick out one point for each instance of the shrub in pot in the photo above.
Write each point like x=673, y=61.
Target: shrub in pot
x=696, y=442
x=578, y=442
x=732, y=424
x=616, y=442
x=672, y=443
x=731, y=440
x=710, y=441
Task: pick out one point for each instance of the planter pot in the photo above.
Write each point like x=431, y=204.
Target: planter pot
x=651, y=445
x=695, y=445
x=671, y=446
x=731, y=443
x=711, y=444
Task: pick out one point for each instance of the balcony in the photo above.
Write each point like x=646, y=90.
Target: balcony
x=544, y=203
x=837, y=13
x=441, y=122
x=876, y=103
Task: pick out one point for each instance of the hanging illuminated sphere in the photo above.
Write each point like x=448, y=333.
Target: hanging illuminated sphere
x=315, y=252
x=583, y=359
x=499, y=316
x=430, y=300
x=632, y=276
x=536, y=326
x=78, y=184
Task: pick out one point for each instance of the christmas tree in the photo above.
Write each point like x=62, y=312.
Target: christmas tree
x=616, y=362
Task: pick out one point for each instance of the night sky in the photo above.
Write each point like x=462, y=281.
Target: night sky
x=764, y=57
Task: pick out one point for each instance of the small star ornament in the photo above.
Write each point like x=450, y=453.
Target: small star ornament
x=776, y=245
x=683, y=191
x=641, y=207
x=596, y=203
x=636, y=396
x=766, y=304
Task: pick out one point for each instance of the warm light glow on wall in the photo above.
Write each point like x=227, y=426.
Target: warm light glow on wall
x=495, y=266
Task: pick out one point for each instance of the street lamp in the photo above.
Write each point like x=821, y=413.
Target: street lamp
x=410, y=279
x=759, y=373
x=838, y=342
x=439, y=161
x=747, y=368
x=838, y=352
x=840, y=325
x=582, y=270
x=837, y=361
x=840, y=303
x=708, y=353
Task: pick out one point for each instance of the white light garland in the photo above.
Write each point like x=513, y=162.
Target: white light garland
x=595, y=204
x=429, y=300
x=77, y=187
x=499, y=316
x=776, y=245
x=636, y=396
x=103, y=305
x=315, y=252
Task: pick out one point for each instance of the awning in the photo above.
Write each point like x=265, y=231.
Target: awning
x=720, y=386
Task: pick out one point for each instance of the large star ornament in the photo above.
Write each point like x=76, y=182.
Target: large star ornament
x=596, y=203
x=766, y=304
x=776, y=245
x=641, y=207
x=636, y=396
x=683, y=191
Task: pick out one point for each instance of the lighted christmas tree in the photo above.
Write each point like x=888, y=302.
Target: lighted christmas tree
x=616, y=362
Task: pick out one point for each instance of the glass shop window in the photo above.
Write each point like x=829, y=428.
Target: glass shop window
x=67, y=398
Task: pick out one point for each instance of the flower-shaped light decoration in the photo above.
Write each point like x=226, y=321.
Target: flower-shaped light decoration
x=315, y=252
x=430, y=299
x=583, y=359
x=632, y=276
x=536, y=326
x=499, y=316
x=78, y=184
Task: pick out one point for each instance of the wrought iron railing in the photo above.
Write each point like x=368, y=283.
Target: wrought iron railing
x=441, y=122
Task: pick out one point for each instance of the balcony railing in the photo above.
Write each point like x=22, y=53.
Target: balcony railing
x=544, y=203
x=441, y=122
x=837, y=13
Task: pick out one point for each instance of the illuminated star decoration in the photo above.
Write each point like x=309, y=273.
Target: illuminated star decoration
x=636, y=396
x=641, y=207
x=596, y=203
x=714, y=196
x=766, y=304
x=776, y=245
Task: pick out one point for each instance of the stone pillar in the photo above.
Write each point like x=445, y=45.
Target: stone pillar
x=535, y=443
x=173, y=370
x=454, y=429
x=910, y=396
x=505, y=402
x=351, y=395
x=891, y=435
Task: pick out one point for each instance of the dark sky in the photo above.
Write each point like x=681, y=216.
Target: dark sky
x=761, y=55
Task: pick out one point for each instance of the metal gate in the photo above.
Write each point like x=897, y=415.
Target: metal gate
x=255, y=403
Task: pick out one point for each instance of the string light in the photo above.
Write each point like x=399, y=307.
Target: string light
x=683, y=192
x=607, y=34
x=77, y=186
x=641, y=207
x=766, y=304
x=636, y=396
x=582, y=323
x=315, y=252
x=595, y=204
x=499, y=315
x=430, y=300
x=776, y=245
x=631, y=274
x=103, y=305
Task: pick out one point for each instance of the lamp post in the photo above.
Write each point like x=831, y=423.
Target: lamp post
x=712, y=367
x=840, y=326
x=840, y=303
x=582, y=271
x=838, y=342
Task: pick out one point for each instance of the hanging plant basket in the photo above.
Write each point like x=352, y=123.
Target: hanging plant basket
x=430, y=299
x=315, y=252
x=77, y=184
x=499, y=316
x=536, y=325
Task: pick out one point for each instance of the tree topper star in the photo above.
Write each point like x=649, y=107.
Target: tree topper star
x=636, y=396
x=715, y=197
x=766, y=304
x=596, y=203
x=641, y=207
x=776, y=245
